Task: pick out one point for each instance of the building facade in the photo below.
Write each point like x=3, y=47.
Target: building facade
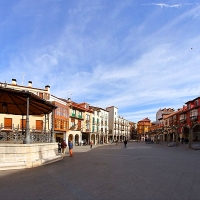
x=100, y=129
x=143, y=128
x=119, y=128
x=16, y=123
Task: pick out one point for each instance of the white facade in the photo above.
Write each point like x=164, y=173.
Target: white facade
x=100, y=129
x=119, y=128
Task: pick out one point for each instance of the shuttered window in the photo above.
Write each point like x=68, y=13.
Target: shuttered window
x=8, y=123
x=22, y=123
x=39, y=125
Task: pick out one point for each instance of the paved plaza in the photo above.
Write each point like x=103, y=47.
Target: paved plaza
x=140, y=171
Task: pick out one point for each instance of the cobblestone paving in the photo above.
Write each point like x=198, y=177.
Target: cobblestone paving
x=138, y=172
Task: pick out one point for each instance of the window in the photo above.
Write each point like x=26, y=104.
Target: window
x=193, y=113
x=80, y=114
x=93, y=129
x=87, y=126
x=40, y=95
x=39, y=125
x=8, y=123
x=73, y=113
x=197, y=102
x=22, y=124
x=87, y=117
x=72, y=124
x=79, y=124
x=182, y=117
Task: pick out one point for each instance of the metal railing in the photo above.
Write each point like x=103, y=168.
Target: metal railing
x=18, y=137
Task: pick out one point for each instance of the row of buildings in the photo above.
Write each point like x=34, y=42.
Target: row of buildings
x=71, y=120
x=173, y=125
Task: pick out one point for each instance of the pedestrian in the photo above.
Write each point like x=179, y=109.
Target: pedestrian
x=116, y=142
x=70, y=148
x=59, y=147
x=186, y=140
x=125, y=143
x=182, y=140
x=63, y=147
x=91, y=144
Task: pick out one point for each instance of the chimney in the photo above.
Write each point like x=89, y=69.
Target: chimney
x=47, y=87
x=30, y=84
x=14, y=81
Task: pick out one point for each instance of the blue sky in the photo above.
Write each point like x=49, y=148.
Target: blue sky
x=139, y=56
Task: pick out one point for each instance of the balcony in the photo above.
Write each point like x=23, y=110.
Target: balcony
x=77, y=117
x=78, y=128
x=72, y=127
x=182, y=121
x=194, y=118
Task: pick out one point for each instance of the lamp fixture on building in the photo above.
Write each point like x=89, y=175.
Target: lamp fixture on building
x=4, y=106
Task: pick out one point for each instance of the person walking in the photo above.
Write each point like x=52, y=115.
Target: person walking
x=70, y=148
x=63, y=147
x=91, y=144
x=125, y=143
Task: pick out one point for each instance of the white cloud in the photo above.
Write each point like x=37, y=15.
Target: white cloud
x=138, y=71
x=167, y=5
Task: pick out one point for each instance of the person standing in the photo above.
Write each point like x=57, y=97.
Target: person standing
x=59, y=147
x=63, y=147
x=70, y=148
x=125, y=143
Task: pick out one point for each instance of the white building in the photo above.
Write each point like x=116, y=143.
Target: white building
x=119, y=128
x=100, y=129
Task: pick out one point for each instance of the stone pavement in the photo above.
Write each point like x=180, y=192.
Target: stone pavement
x=138, y=172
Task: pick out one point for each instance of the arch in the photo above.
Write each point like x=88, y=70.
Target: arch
x=97, y=139
x=93, y=138
x=76, y=139
x=70, y=137
x=196, y=133
x=185, y=131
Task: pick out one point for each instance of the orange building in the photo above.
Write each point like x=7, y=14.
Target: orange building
x=143, y=127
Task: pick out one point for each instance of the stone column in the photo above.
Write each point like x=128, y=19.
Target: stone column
x=52, y=127
x=190, y=137
x=27, y=139
x=176, y=133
